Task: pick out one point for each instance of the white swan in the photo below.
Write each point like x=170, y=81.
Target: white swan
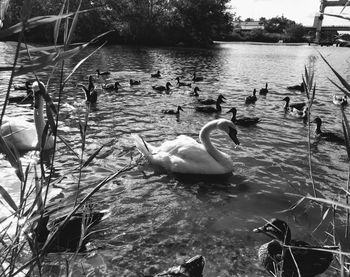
x=24, y=135
x=186, y=156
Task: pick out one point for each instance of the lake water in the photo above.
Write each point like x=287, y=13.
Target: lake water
x=158, y=220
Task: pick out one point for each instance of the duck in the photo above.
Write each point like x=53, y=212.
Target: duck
x=298, y=106
x=111, y=86
x=195, y=92
x=192, y=268
x=243, y=121
x=90, y=91
x=328, y=136
x=177, y=112
x=300, y=87
x=156, y=75
x=302, y=114
x=25, y=135
x=264, y=90
x=184, y=155
x=340, y=100
x=275, y=255
x=134, y=82
x=27, y=85
x=211, y=109
x=251, y=99
x=162, y=88
x=68, y=236
x=211, y=101
x=105, y=73
x=197, y=78
x=23, y=99
x=181, y=84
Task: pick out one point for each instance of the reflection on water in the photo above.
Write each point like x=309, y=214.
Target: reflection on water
x=157, y=218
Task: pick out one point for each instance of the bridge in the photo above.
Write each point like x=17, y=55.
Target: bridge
x=319, y=18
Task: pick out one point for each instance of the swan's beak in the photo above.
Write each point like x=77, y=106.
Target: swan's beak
x=233, y=135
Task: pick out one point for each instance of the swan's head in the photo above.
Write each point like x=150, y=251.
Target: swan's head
x=228, y=127
x=39, y=91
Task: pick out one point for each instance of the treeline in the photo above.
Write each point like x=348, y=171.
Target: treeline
x=160, y=22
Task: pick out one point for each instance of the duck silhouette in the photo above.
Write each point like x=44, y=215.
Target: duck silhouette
x=264, y=90
x=328, y=136
x=251, y=99
x=243, y=121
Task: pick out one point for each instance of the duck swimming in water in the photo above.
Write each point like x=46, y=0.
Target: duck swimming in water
x=184, y=155
x=264, y=90
x=195, y=92
x=181, y=84
x=340, y=100
x=25, y=135
x=162, y=88
x=274, y=255
x=134, y=82
x=211, y=101
x=192, y=268
x=300, y=87
x=328, y=136
x=197, y=78
x=298, y=106
x=27, y=85
x=251, y=99
x=23, y=99
x=156, y=75
x=243, y=121
x=211, y=109
x=177, y=112
x=111, y=86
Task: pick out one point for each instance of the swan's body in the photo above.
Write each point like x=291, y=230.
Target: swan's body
x=181, y=84
x=251, y=99
x=162, y=88
x=177, y=111
x=300, y=87
x=24, y=135
x=186, y=156
x=197, y=78
x=156, y=75
x=340, y=100
x=134, y=82
x=298, y=106
x=264, y=90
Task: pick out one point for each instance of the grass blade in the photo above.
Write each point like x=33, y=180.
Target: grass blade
x=58, y=24
x=8, y=199
x=73, y=26
x=13, y=157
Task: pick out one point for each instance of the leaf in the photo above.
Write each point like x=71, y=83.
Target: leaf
x=341, y=79
x=346, y=4
x=58, y=24
x=346, y=130
x=337, y=15
x=339, y=87
x=72, y=27
x=13, y=157
x=46, y=48
x=8, y=199
x=329, y=202
x=88, y=161
x=68, y=146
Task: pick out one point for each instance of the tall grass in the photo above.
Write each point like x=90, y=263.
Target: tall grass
x=20, y=252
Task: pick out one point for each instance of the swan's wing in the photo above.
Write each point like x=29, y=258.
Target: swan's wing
x=22, y=134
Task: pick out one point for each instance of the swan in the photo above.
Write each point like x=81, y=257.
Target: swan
x=298, y=106
x=184, y=155
x=156, y=75
x=181, y=84
x=24, y=135
x=251, y=99
x=264, y=90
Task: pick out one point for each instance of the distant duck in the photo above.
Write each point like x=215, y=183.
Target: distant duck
x=197, y=78
x=243, y=121
x=274, y=255
x=192, y=268
x=210, y=109
x=181, y=84
x=211, y=101
x=111, y=86
x=68, y=237
x=184, y=155
x=106, y=73
x=328, y=136
x=195, y=92
x=25, y=135
x=23, y=99
x=134, y=82
x=340, y=100
x=27, y=86
x=176, y=112
x=162, y=88
x=300, y=87
x=264, y=90
x=156, y=75
x=251, y=99
x=90, y=91
x=298, y=106
x=302, y=114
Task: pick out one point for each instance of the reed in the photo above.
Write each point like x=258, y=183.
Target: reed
x=20, y=252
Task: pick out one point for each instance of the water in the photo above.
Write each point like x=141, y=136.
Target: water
x=156, y=219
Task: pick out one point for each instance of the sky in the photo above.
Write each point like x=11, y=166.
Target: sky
x=300, y=11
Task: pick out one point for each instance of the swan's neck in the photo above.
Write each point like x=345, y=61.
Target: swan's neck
x=205, y=140
x=39, y=119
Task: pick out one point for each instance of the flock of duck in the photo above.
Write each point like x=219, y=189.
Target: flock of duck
x=186, y=156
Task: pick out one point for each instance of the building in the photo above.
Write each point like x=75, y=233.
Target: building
x=248, y=26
